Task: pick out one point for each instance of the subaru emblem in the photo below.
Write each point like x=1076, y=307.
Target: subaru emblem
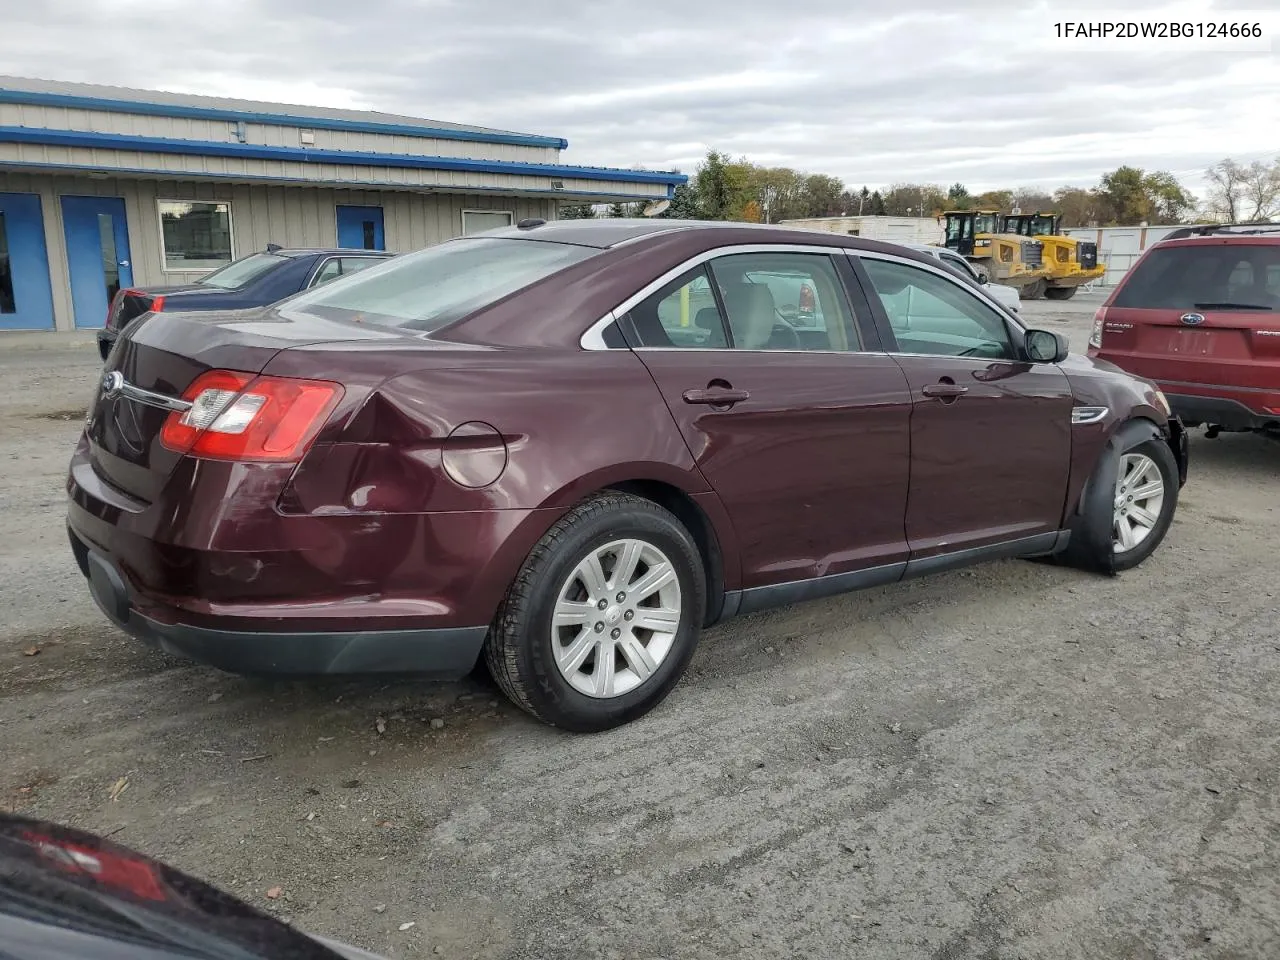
x=1192, y=319
x=111, y=383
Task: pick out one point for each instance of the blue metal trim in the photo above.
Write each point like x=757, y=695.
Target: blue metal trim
x=375, y=185
x=210, y=148
x=147, y=108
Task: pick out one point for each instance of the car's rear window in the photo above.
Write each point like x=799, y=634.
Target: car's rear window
x=1233, y=276
x=434, y=287
x=240, y=273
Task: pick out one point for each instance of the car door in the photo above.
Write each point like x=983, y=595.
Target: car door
x=990, y=432
x=803, y=434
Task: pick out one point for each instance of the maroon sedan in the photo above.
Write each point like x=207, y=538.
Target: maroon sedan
x=570, y=446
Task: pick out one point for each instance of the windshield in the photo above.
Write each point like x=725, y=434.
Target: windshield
x=987, y=223
x=956, y=228
x=436, y=286
x=242, y=272
x=1041, y=226
x=1208, y=277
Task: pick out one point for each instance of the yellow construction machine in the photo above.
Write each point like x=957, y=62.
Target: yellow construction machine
x=1071, y=262
x=1001, y=257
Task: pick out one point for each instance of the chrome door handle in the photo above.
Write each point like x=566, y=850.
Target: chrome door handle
x=716, y=397
x=945, y=391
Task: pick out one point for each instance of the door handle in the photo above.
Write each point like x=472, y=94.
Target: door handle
x=945, y=391
x=124, y=263
x=720, y=397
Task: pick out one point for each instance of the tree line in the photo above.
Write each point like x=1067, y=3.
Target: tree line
x=726, y=189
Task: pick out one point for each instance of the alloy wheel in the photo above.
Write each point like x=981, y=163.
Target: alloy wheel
x=1139, y=500
x=616, y=618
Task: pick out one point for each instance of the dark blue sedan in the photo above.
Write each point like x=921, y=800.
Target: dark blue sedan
x=253, y=281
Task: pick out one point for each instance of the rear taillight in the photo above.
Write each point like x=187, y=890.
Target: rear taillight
x=807, y=303
x=236, y=416
x=1099, y=321
x=156, y=305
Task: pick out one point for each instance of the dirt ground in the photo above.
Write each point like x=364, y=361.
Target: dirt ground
x=1014, y=761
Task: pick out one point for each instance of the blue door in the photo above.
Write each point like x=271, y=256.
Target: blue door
x=26, y=299
x=360, y=228
x=97, y=255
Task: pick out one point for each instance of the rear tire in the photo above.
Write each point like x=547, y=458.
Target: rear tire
x=584, y=640
x=1060, y=293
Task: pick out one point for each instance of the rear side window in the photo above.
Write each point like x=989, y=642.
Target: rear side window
x=1231, y=276
x=434, y=287
x=242, y=272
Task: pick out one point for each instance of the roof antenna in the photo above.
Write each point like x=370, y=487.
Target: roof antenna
x=530, y=223
x=274, y=247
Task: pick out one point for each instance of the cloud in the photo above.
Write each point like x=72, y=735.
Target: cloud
x=938, y=90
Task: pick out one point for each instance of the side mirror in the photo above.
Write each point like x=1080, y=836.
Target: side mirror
x=1045, y=346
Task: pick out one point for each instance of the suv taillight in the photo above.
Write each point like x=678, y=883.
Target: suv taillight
x=1099, y=321
x=237, y=416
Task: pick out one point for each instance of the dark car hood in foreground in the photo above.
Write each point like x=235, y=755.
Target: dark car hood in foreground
x=69, y=895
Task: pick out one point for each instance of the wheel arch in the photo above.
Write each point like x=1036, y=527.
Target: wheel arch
x=692, y=513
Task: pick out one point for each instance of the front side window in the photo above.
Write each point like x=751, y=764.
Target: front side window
x=932, y=315
x=436, y=286
x=197, y=234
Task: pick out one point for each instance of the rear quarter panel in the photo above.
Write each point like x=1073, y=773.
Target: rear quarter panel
x=523, y=434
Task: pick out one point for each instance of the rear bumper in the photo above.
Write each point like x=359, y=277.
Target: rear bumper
x=1223, y=407
x=438, y=653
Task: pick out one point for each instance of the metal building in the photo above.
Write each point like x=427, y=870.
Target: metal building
x=103, y=187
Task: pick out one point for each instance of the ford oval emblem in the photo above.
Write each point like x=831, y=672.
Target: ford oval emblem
x=1192, y=319
x=111, y=383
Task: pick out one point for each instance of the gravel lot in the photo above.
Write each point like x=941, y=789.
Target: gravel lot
x=1010, y=761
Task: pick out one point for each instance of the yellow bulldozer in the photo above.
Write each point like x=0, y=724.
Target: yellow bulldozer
x=1071, y=262
x=999, y=256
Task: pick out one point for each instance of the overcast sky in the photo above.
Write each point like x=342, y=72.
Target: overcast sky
x=872, y=92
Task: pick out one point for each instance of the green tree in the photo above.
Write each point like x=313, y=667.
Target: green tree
x=722, y=186
x=1079, y=207
x=914, y=200
x=1125, y=192
x=959, y=197
x=877, y=207
x=577, y=211
x=684, y=204
x=617, y=210
x=1171, y=202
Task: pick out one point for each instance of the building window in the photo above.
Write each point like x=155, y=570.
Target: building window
x=478, y=221
x=197, y=234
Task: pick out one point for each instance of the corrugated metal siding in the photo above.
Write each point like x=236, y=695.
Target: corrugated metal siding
x=221, y=131
x=260, y=214
x=318, y=173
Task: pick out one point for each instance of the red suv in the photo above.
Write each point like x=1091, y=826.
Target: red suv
x=1199, y=314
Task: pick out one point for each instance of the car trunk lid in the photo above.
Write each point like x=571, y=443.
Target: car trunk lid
x=158, y=359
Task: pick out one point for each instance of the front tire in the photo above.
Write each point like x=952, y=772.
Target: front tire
x=1060, y=293
x=603, y=617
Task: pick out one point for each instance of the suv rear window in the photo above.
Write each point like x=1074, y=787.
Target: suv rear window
x=242, y=272
x=1219, y=276
x=434, y=287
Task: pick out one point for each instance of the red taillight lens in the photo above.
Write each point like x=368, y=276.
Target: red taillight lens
x=807, y=302
x=156, y=305
x=235, y=416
